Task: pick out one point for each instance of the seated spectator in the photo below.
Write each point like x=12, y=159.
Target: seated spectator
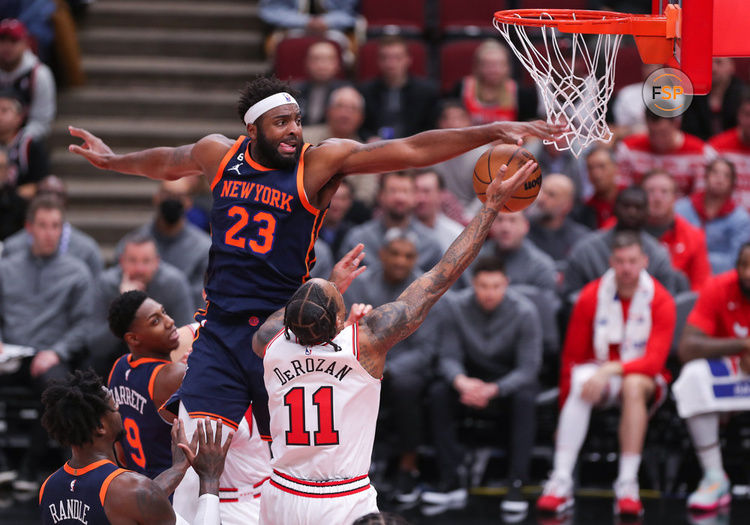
x=396, y=103
x=727, y=225
x=664, y=147
x=552, y=230
x=46, y=304
x=589, y=258
x=405, y=376
x=330, y=19
x=28, y=157
x=615, y=352
x=139, y=268
x=323, y=65
x=72, y=240
x=323, y=260
x=686, y=243
x=711, y=114
x=396, y=202
x=524, y=263
x=627, y=108
x=603, y=175
x=12, y=205
x=428, y=198
x=552, y=160
x=734, y=145
x=21, y=70
x=336, y=225
x=459, y=200
x=489, y=353
x=715, y=348
x=180, y=244
x=490, y=94
x=202, y=199
x=346, y=112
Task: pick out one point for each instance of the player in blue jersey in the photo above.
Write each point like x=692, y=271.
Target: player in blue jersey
x=143, y=380
x=90, y=488
x=271, y=191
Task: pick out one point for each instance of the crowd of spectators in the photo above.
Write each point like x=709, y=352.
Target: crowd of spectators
x=675, y=192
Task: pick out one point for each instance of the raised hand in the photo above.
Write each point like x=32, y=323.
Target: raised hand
x=209, y=462
x=357, y=312
x=180, y=445
x=93, y=148
x=499, y=191
x=348, y=268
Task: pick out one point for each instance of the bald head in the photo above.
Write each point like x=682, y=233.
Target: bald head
x=346, y=112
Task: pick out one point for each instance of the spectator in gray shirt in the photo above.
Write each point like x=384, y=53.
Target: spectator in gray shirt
x=397, y=200
x=489, y=354
x=45, y=303
x=72, y=241
x=405, y=379
x=180, y=244
x=430, y=186
x=139, y=268
x=589, y=258
x=552, y=230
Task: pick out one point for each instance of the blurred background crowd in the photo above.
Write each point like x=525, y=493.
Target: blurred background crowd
x=143, y=74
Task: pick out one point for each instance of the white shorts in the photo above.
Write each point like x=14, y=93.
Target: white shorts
x=712, y=385
x=611, y=397
x=246, y=469
x=291, y=501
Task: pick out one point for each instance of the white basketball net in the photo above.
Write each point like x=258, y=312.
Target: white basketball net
x=572, y=91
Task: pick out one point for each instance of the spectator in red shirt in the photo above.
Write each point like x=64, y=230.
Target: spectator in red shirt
x=686, y=243
x=734, y=145
x=616, y=347
x=602, y=171
x=716, y=377
x=663, y=147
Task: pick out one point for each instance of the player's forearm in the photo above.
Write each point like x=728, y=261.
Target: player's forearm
x=423, y=293
x=209, y=485
x=157, y=163
x=430, y=147
x=696, y=345
x=170, y=478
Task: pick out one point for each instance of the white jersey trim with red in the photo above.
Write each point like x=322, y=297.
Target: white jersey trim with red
x=319, y=489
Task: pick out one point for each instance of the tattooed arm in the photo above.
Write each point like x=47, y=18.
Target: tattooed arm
x=203, y=157
x=387, y=325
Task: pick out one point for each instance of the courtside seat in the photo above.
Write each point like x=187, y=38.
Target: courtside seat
x=289, y=61
x=456, y=58
x=367, y=60
x=405, y=17
x=468, y=18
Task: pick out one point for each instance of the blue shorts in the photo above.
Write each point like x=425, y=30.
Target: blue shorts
x=224, y=376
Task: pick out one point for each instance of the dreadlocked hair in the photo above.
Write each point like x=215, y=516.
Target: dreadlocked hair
x=310, y=315
x=73, y=409
x=258, y=89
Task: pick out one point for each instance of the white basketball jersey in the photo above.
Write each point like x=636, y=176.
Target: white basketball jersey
x=323, y=406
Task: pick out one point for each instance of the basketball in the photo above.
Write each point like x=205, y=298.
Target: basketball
x=514, y=157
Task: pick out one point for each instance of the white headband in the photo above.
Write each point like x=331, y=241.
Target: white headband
x=268, y=103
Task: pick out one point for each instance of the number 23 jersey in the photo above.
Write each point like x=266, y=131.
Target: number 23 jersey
x=263, y=231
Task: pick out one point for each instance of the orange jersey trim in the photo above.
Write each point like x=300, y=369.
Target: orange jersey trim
x=87, y=468
x=252, y=163
x=134, y=363
x=41, y=490
x=152, y=380
x=225, y=161
x=317, y=224
x=301, y=184
x=215, y=417
x=112, y=371
x=107, y=481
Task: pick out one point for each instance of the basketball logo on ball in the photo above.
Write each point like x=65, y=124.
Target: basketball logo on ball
x=488, y=166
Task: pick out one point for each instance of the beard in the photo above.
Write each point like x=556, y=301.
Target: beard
x=270, y=155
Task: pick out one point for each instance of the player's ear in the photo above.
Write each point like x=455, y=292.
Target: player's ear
x=252, y=131
x=131, y=339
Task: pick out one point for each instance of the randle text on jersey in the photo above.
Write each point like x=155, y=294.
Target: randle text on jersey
x=69, y=509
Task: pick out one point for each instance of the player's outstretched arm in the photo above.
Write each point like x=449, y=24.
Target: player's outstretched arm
x=387, y=325
x=164, y=163
x=337, y=156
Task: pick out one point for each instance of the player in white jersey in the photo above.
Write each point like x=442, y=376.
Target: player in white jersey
x=323, y=381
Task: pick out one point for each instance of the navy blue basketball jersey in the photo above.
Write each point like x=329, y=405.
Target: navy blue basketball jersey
x=77, y=495
x=148, y=440
x=263, y=230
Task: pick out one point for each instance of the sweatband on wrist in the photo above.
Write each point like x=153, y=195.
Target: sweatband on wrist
x=208, y=510
x=268, y=103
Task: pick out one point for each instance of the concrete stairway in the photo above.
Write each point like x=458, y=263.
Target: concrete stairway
x=160, y=73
